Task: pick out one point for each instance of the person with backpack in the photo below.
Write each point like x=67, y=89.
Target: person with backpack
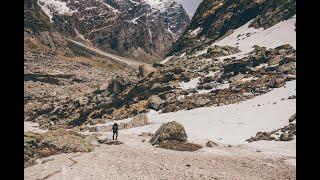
x=115, y=129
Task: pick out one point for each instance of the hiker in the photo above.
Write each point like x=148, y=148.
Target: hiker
x=115, y=131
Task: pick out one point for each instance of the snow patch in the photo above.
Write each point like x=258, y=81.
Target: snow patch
x=245, y=38
x=33, y=127
x=112, y=8
x=134, y=20
x=166, y=59
x=234, y=123
x=162, y=5
x=54, y=6
x=192, y=84
x=196, y=31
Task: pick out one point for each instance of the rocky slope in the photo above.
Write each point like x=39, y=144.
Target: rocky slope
x=215, y=19
x=223, y=58
x=140, y=29
x=212, y=75
x=39, y=34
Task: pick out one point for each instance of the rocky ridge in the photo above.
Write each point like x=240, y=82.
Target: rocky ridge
x=216, y=19
x=138, y=29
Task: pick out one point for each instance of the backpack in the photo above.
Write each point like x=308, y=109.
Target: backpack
x=115, y=128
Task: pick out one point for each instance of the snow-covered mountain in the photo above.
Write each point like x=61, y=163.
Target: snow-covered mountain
x=141, y=29
x=216, y=19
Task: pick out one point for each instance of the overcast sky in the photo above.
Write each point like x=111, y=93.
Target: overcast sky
x=190, y=5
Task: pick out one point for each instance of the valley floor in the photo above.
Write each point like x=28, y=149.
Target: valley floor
x=234, y=158
x=139, y=160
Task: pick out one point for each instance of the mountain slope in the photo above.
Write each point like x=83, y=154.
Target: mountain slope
x=216, y=19
x=142, y=30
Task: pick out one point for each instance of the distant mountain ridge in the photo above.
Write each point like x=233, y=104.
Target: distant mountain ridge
x=140, y=29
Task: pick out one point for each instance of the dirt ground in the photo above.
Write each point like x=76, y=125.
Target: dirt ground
x=139, y=160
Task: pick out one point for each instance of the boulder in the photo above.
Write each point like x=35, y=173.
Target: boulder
x=117, y=85
x=259, y=49
x=286, y=137
x=95, y=121
x=275, y=82
x=274, y=61
x=224, y=52
x=292, y=97
x=237, y=79
x=139, y=120
x=104, y=141
x=261, y=136
x=211, y=144
x=145, y=70
x=292, y=118
x=214, y=49
x=155, y=102
x=169, y=131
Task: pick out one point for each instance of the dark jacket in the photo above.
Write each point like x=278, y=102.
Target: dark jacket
x=115, y=128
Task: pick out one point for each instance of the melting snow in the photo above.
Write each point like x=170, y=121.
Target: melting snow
x=134, y=21
x=166, y=59
x=234, y=123
x=112, y=8
x=192, y=84
x=33, y=127
x=134, y=2
x=196, y=31
x=245, y=38
x=161, y=5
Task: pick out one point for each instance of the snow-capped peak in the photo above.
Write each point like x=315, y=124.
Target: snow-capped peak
x=162, y=5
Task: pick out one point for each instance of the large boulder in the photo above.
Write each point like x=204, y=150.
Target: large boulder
x=275, y=82
x=145, y=70
x=139, y=120
x=274, y=61
x=155, y=102
x=169, y=131
x=261, y=136
x=117, y=85
x=286, y=137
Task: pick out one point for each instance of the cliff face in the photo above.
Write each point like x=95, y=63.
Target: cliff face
x=140, y=29
x=215, y=19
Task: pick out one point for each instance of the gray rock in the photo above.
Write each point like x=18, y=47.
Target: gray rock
x=145, y=70
x=293, y=118
x=95, y=121
x=285, y=137
x=104, y=141
x=211, y=144
x=139, y=120
x=155, y=102
x=169, y=131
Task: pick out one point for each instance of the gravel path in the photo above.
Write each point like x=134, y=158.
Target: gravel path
x=123, y=60
x=139, y=160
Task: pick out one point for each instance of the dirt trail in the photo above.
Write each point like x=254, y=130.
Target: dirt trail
x=139, y=160
x=122, y=60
